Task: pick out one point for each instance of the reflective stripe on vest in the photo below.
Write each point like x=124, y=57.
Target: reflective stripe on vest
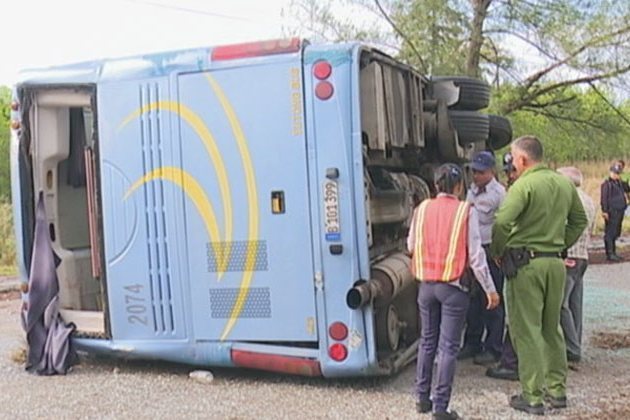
x=441, y=236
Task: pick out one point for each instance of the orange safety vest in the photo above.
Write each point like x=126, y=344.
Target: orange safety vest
x=441, y=234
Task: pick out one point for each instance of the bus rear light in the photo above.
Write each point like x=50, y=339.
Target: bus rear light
x=324, y=90
x=338, y=352
x=255, y=49
x=276, y=363
x=322, y=70
x=15, y=105
x=338, y=331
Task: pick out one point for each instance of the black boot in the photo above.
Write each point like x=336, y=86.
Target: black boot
x=608, y=244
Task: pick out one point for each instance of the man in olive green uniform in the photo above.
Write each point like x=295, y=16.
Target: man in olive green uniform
x=542, y=216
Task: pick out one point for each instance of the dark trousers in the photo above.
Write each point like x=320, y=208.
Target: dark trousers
x=612, y=230
x=508, y=355
x=571, y=313
x=442, y=314
x=479, y=319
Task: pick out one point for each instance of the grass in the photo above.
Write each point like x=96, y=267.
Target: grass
x=7, y=240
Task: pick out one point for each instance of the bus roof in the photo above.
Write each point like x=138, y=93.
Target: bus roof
x=163, y=63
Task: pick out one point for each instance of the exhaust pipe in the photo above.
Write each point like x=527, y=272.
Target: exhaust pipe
x=388, y=278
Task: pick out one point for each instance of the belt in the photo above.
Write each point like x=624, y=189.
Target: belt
x=536, y=254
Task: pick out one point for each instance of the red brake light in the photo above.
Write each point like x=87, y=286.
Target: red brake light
x=255, y=49
x=338, y=352
x=324, y=90
x=338, y=331
x=276, y=363
x=322, y=70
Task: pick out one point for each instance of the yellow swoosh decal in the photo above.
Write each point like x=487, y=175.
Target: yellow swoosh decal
x=207, y=138
x=252, y=198
x=195, y=192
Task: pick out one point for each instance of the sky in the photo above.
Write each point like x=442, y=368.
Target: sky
x=42, y=33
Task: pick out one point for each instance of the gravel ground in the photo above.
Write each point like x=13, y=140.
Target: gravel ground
x=105, y=388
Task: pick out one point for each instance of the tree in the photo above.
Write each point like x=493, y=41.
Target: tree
x=577, y=46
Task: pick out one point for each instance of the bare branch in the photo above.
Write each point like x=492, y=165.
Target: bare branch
x=524, y=39
x=553, y=102
x=554, y=116
x=529, y=97
x=592, y=43
x=402, y=35
x=610, y=104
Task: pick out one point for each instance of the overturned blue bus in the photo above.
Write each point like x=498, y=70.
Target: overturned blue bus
x=243, y=205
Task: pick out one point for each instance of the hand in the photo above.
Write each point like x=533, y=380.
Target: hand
x=493, y=300
x=605, y=216
x=497, y=261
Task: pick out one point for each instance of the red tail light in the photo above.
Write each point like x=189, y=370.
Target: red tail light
x=276, y=363
x=338, y=352
x=338, y=331
x=324, y=90
x=322, y=70
x=255, y=49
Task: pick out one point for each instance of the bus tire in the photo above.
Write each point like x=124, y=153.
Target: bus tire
x=474, y=94
x=500, y=134
x=471, y=126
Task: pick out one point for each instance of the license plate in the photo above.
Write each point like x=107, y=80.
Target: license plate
x=331, y=211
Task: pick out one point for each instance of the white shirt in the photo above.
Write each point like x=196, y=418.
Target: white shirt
x=486, y=203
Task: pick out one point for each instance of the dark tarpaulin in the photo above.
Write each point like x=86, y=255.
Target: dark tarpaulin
x=50, y=350
x=76, y=169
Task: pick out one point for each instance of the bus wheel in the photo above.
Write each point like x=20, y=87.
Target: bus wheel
x=500, y=132
x=471, y=126
x=474, y=94
x=387, y=329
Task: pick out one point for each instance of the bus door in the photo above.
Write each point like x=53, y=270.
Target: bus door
x=247, y=205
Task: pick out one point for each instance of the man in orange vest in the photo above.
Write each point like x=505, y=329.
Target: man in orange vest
x=444, y=240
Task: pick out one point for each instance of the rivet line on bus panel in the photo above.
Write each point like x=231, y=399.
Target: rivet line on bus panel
x=207, y=138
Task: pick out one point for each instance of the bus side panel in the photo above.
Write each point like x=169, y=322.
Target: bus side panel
x=249, y=237
x=332, y=134
x=142, y=209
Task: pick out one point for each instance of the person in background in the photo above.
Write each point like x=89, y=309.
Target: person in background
x=508, y=169
x=576, y=264
x=485, y=195
x=443, y=241
x=507, y=368
x=625, y=178
x=613, y=204
x=541, y=216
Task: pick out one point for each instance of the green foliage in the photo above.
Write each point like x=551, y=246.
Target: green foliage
x=579, y=126
x=7, y=239
x=5, y=184
x=437, y=28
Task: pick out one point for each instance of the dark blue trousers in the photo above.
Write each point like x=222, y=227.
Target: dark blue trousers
x=442, y=314
x=479, y=319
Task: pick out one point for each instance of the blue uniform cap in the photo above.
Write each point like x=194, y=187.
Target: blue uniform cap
x=483, y=161
x=616, y=169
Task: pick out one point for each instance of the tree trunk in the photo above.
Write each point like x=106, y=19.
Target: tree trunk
x=480, y=8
